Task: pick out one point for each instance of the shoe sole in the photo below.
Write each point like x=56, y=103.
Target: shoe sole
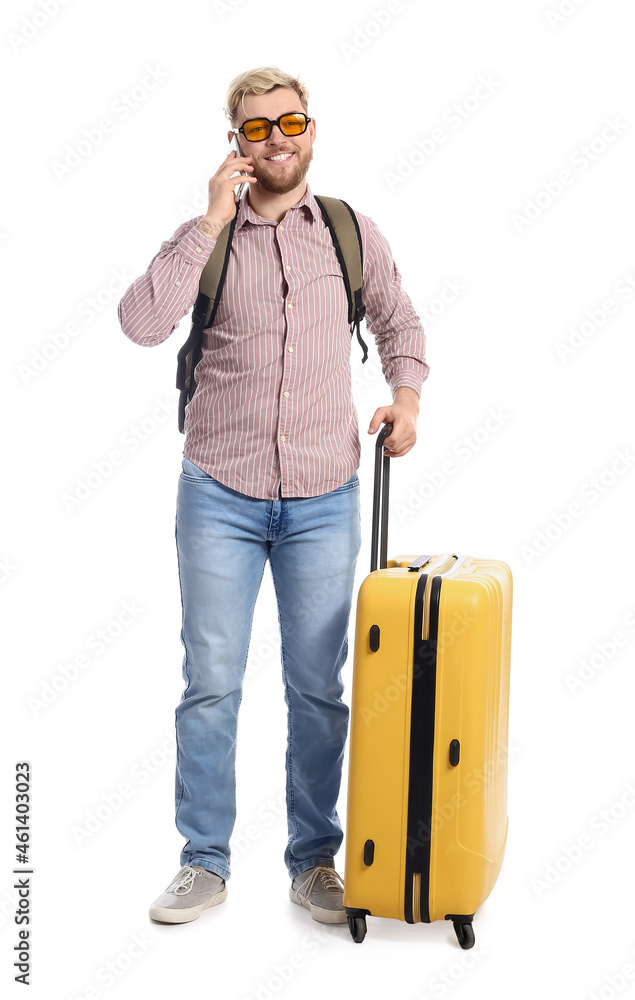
x=318, y=912
x=164, y=915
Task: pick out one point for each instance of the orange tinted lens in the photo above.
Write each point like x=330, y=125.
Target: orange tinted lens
x=292, y=124
x=257, y=128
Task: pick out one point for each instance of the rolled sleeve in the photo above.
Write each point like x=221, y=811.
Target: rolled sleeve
x=390, y=315
x=410, y=379
x=195, y=246
x=153, y=305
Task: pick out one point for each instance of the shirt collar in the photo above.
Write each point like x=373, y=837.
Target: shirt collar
x=246, y=213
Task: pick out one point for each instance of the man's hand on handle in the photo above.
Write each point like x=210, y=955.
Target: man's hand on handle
x=402, y=414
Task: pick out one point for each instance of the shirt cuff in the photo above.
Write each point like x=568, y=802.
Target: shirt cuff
x=409, y=379
x=196, y=247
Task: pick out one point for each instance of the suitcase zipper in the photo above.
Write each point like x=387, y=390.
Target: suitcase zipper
x=416, y=897
x=449, y=561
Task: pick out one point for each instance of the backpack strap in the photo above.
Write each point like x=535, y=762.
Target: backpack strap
x=344, y=229
x=209, y=290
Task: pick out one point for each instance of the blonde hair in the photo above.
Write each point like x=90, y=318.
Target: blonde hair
x=261, y=81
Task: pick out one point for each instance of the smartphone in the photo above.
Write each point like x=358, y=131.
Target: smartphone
x=234, y=145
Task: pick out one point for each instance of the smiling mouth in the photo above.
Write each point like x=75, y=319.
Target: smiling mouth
x=280, y=158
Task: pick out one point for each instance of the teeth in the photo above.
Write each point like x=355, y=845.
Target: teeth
x=280, y=156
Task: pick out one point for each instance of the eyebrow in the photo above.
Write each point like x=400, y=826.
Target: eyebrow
x=259, y=118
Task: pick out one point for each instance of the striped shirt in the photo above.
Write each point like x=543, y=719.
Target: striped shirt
x=273, y=413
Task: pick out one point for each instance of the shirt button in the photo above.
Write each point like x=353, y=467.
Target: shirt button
x=282, y=437
x=198, y=250
x=288, y=267
x=291, y=305
x=281, y=228
x=285, y=393
x=177, y=283
x=290, y=348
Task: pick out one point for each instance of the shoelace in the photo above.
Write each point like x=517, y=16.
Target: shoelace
x=329, y=877
x=184, y=882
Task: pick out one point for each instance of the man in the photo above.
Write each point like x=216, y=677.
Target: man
x=269, y=472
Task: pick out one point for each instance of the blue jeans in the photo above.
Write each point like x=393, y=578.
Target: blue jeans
x=223, y=540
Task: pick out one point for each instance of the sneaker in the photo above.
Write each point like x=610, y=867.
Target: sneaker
x=321, y=891
x=190, y=892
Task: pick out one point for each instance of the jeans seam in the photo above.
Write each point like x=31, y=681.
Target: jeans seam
x=290, y=784
x=345, y=487
x=185, y=665
x=204, y=862
x=307, y=865
x=240, y=699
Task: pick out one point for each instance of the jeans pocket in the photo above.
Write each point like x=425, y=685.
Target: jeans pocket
x=350, y=484
x=194, y=473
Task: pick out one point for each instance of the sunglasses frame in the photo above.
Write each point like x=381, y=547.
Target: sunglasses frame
x=272, y=122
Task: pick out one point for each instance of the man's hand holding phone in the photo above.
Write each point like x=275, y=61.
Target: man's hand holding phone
x=222, y=198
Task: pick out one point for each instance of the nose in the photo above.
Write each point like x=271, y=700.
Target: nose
x=272, y=133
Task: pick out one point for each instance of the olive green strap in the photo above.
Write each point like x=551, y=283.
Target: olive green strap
x=213, y=273
x=342, y=222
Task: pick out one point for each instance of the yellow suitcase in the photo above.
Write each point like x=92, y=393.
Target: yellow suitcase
x=427, y=783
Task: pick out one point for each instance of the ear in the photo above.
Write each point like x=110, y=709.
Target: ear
x=312, y=129
x=232, y=135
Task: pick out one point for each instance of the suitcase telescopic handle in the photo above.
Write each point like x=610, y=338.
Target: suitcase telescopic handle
x=380, y=498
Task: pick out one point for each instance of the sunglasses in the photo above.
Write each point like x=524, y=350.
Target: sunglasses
x=255, y=129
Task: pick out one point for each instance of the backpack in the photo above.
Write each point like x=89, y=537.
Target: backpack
x=344, y=229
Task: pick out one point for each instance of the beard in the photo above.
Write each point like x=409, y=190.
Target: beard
x=269, y=181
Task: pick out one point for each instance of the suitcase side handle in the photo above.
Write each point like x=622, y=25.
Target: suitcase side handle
x=419, y=563
x=380, y=497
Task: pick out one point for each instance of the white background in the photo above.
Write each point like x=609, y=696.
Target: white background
x=552, y=925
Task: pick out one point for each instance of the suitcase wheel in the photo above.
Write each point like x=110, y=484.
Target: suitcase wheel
x=357, y=924
x=464, y=933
